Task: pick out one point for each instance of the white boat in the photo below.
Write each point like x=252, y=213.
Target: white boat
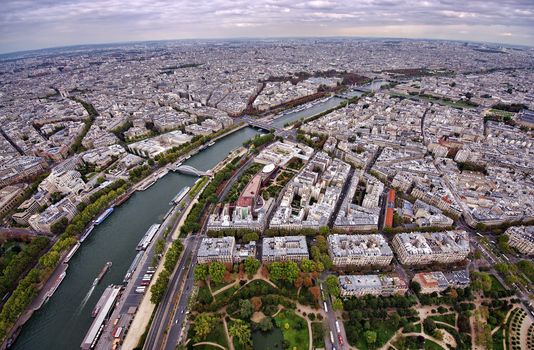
x=104, y=215
x=180, y=195
x=55, y=286
x=146, y=185
x=72, y=252
x=87, y=233
x=147, y=238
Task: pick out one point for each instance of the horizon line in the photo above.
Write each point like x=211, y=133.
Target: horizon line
x=129, y=42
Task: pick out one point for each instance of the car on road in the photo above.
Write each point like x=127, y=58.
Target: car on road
x=340, y=338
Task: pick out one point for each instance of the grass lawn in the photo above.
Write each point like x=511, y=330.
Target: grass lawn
x=216, y=286
x=447, y=318
x=430, y=345
x=384, y=332
x=217, y=335
x=294, y=328
x=501, y=113
x=498, y=340
x=226, y=293
x=496, y=286
x=318, y=334
x=455, y=334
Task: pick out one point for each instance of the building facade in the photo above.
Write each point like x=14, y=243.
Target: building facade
x=285, y=248
x=219, y=249
x=431, y=247
x=361, y=285
x=521, y=238
x=359, y=250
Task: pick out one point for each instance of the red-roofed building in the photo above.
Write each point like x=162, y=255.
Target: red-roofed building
x=250, y=193
x=389, y=209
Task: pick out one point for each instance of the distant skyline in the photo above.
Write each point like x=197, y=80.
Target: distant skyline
x=35, y=24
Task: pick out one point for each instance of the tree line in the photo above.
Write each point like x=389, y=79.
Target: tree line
x=171, y=258
x=30, y=285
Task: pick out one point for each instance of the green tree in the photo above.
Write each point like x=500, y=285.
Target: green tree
x=429, y=326
x=332, y=285
x=50, y=259
x=241, y=331
x=502, y=268
x=250, y=236
x=160, y=245
x=337, y=305
x=201, y=272
x=307, y=265
x=370, y=338
x=502, y=242
x=277, y=271
x=481, y=281
x=416, y=287
x=292, y=271
x=321, y=243
x=246, y=309
x=59, y=226
x=216, y=271
x=266, y=324
x=327, y=261
x=158, y=289
x=203, y=326
x=324, y=230
x=251, y=265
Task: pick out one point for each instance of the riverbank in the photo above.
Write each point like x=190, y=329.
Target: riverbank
x=146, y=308
x=114, y=240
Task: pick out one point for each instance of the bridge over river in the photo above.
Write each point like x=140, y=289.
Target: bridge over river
x=190, y=170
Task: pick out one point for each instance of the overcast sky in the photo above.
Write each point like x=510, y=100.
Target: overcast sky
x=31, y=24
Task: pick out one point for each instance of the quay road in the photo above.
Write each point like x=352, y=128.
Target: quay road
x=181, y=280
x=168, y=323
x=178, y=315
x=331, y=319
x=129, y=298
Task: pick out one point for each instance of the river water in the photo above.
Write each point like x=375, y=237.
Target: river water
x=309, y=112
x=63, y=321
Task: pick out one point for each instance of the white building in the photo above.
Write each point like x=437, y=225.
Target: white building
x=359, y=250
x=360, y=285
x=284, y=248
x=216, y=249
x=521, y=238
x=431, y=247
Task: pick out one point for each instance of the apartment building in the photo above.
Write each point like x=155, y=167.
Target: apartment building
x=521, y=238
x=360, y=285
x=219, y=249
x=359, y=250
x=431, y=247
x=285, y=248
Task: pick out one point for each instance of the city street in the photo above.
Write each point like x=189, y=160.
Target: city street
x=165, y=311
x=129, y=297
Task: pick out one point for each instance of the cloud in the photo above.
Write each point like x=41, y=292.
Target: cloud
x=31, y=24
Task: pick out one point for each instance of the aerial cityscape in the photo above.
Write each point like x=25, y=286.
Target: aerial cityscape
x=266, y=192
